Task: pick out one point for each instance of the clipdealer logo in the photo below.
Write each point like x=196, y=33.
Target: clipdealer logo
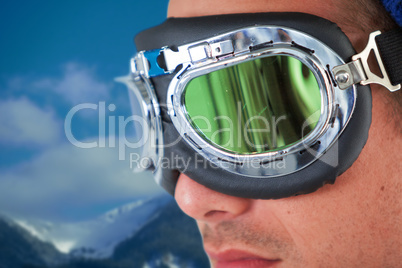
x=108, y=137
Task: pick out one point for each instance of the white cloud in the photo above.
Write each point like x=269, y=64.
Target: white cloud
x=78, y=84
x=61, y=180
x=24, y=123
x=67, y=178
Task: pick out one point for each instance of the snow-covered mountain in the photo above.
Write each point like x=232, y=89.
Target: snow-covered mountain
x=96, y=238
x=144, y=234
x=19, y=248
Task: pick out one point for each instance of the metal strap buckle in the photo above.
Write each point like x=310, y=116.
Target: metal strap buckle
x=146, y=62
x=358, y=70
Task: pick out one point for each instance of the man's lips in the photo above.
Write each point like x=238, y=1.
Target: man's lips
x=240, y=259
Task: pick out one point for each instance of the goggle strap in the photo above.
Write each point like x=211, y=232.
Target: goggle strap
x=387, y=49
x=390, y=46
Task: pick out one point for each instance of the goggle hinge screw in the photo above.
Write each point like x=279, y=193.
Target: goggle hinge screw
x=342, y=77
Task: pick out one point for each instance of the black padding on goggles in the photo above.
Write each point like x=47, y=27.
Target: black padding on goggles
x=390, y=47
x=178, y=31
x=338, y=158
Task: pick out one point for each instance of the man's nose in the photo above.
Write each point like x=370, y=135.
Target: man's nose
x=204, y=204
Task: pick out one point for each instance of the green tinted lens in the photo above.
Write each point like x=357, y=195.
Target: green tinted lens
x=256, y=106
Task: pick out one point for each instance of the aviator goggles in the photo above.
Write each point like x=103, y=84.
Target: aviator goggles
x=263, y=106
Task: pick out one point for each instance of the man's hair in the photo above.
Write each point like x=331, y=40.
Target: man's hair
x=368, y=15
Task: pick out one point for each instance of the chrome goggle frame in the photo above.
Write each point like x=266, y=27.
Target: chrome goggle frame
x=205, y=56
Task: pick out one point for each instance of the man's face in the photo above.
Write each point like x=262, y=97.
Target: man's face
x=357, y=222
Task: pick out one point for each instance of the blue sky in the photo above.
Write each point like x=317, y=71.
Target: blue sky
x=55, y=55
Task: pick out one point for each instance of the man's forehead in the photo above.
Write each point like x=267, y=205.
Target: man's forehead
x=327, y=9
x=192, y=8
